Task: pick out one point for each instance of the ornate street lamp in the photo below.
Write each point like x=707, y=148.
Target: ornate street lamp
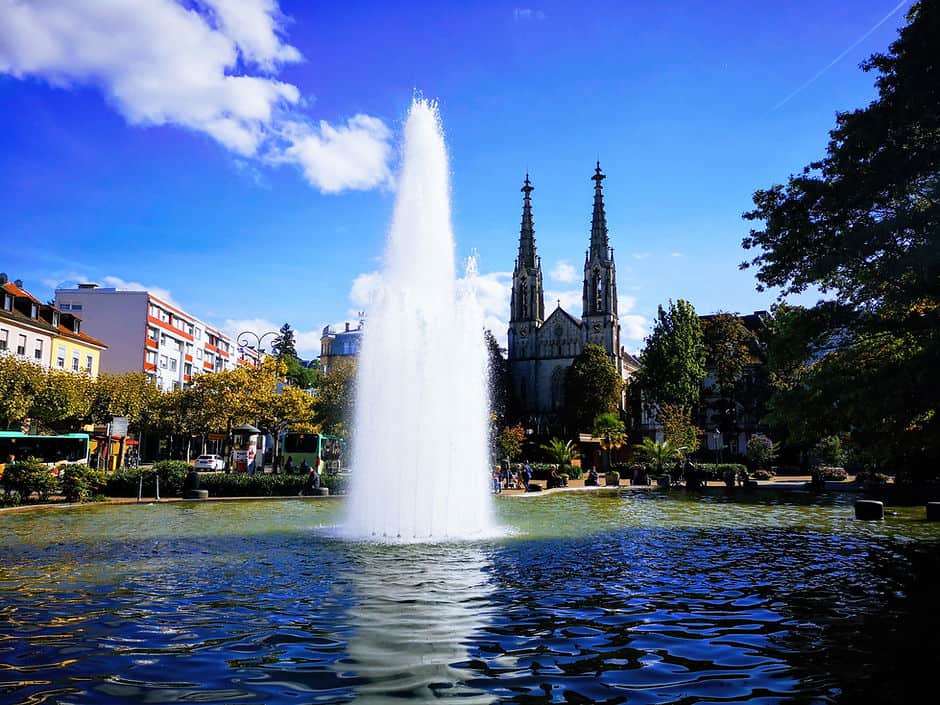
x=244, y=339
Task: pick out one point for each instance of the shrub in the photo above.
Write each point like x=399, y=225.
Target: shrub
x=761, y=450
x=80, y=482
x=572, y=471
x=25, y=477
x=762, y=475
x=172, y=474
x=612, y=479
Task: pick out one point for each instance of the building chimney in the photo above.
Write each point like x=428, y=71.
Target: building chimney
x=347, y=326
x=88, y=286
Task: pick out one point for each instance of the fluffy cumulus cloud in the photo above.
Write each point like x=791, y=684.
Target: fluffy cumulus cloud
x=205, y=65
x=563, y=272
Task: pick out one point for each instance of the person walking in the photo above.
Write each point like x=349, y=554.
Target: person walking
x=497, y=479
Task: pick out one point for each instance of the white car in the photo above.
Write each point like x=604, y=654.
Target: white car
x=209, y=462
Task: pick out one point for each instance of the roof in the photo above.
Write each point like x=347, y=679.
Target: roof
x=12, y=288
x=81, y=337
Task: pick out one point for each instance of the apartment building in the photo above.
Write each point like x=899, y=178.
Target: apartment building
x=44, y=335
x=147, y=334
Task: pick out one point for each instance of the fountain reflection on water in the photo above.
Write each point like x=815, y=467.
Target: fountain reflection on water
x=414, y=616
x=420, y=458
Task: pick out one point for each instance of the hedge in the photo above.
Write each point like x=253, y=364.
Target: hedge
x=124, y=483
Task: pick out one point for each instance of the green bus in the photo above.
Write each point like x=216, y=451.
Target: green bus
x=309, y=446
x=69, y=448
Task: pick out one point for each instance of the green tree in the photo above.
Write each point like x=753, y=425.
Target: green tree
x=498, y=378
x=862, y=225
x=729, y=351
x=679, y=428
x=19, y=382
x=509, y=441
x=610, y=430
x=130, y=394
x=284, y=344
x=592, y=386
x=335, y=400
x=62, y=400
x=672, y=363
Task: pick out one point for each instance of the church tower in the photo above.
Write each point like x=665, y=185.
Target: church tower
x=527, y=308
x=599, y=300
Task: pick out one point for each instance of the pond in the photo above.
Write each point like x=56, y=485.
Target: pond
x=602, y=597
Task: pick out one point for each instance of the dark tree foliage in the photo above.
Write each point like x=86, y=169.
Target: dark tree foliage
x=592, y=387
x=673, y=359
x=498, y=381
x=731, y=350
x=284, y=345
x=863, y=225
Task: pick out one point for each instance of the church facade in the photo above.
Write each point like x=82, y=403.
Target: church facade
x=540, y=348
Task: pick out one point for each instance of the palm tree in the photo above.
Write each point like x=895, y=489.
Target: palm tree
x=559, y=451
x=658, y=453
x=610, y=430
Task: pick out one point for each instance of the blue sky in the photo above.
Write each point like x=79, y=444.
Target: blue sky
x=240, y=155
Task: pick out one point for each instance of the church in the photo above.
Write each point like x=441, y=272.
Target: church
x=542, y=349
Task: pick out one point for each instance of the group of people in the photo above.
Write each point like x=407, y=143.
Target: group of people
x=312, y=472
x=504, y=477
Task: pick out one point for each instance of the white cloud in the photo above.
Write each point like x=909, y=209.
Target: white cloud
x=632, y=328
x=676, y=254
x=640, y=255
x=571, y=300
x=124, y=285
x=205, y=65
x=521, y=14
x=364, y=289
x=350, y=156
x=563, y=272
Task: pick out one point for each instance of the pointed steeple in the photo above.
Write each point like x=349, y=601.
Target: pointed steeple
x=600, y=245
x=527, y=232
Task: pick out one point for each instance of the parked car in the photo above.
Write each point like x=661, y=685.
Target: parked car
x=210, y=462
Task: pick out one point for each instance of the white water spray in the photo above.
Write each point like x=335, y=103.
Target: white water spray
x=420, y=469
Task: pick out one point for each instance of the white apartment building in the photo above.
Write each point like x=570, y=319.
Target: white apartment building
x=147, y=334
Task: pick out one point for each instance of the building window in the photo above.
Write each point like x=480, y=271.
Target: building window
x=37, y=351
x=189, y=348
x=4, y=338
x=89, y=363
x=173, y=364
x=21, y=344
x=187, y=369
x=7, y=302
x=198, y=353
x=189, y=330
x=162, y=340
x=76, y=307
x=55, y=319
x=163, y=361
x=198, y=334
x=60, y=357
x=65, y=307
x=74, y=362
x=34, y=311
x=151, y=333
x=151, y=357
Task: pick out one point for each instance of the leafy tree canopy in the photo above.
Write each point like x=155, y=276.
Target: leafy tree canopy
x=673, y=360
x=592, y=386
x=284, y=344
x=862, y=224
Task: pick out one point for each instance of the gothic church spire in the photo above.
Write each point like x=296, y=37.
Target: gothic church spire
x=527, y=232
x=600, y=245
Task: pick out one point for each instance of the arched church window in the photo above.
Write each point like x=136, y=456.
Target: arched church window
x=598, y=290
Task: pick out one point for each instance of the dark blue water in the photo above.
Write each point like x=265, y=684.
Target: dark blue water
x=633, y=598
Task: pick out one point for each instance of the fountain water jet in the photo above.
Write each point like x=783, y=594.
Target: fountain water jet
x=420, y=469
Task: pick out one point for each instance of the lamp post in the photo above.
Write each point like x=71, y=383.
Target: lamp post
x=243, y=339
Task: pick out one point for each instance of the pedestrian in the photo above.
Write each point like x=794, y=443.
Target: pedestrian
x=304, y=467
x=289, y=465
x=497, y=483
x=526, y=476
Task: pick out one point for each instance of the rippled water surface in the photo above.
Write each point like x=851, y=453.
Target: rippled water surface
x=590, y=598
